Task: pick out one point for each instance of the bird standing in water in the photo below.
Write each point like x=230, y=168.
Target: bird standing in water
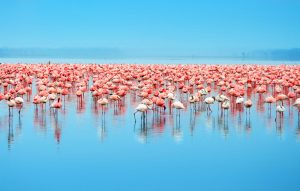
x=209, y=101
x=178, y=106
x=248, y=105
x=11, y=104
x=19, y=101
x=56, y=105
x=279, y=109
x=103, y=102
x=141, y=108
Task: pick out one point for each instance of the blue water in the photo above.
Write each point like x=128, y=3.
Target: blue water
x=81, y=149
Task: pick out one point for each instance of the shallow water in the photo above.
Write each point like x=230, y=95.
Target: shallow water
x=80, y=148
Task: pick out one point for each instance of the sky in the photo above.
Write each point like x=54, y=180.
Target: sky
x=210, y=27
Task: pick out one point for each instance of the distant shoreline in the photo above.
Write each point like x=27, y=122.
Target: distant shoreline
x=150, y=60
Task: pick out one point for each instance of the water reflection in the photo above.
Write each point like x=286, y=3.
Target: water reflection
x=102, y=129
x=193, y=121
x=57, y=127
x=143, y=132
x=10, y=136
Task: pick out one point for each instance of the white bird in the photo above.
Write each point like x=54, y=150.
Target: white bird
x=11, y=104
x=43, y=99
x=193, y=99
x=52, y=96
x=221, y=98
x=279, y=109
x=19, y=101
x=141, y=108
x=178, y=106
x=226, y=104
x=203, y=92
x=239, y=100
x=171, y=96
x=209, y=101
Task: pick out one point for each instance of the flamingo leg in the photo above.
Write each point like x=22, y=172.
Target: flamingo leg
x=134, y=116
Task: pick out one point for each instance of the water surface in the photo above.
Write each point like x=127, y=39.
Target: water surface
x=81, y=149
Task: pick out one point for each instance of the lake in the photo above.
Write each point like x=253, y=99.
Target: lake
x=82, y=149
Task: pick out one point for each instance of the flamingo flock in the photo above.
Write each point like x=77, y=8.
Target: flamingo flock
x=158, y=88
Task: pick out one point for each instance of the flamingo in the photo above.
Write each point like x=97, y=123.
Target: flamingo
x=248, y=105
x=103, y=102
x=281, y=97
x=155, y=84
x=193, y=99
x=56, y=105
x=11, y=104
x=43, y=101
x=178, y=106
x=203, y=92
x=279, y=109
x=221, y=98
x=270, y=100
x=19, y=101
x=239, y=100
x=209, y=101
x=171, y=98
x=141, y=108
x=226, y=105
x=79, y=94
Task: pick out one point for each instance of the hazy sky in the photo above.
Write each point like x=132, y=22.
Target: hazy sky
x=153, y=26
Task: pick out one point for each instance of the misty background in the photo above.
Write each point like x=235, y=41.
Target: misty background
x=152, y=28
